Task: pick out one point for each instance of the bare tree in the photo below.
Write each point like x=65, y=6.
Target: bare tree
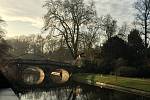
x=36, y=45
x=108, y=25
x=90, y=37
x=143, y=17
x=2, y=31
x=4, y=54
x=19, y=46
x=123, y=31
x=92, y=33
x=40, y=42
x=27, y=46
x=66, y=17
x=4, y=47
x=51, y=44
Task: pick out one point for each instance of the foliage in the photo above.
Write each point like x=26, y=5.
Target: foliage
x=126, y=71
x=89, y=67
x=144, y=71
x=116, y=52
x=4, y=47
x=114, y=48
x=148, y=52
x=136, y=48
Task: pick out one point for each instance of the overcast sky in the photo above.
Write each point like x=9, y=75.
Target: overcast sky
x=24, y=17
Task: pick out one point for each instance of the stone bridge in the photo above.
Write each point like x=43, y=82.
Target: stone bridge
x=42, y=72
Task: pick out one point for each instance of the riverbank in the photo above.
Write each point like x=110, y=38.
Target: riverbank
x=133, y=85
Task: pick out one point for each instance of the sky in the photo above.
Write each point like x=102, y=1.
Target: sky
x=24, y=17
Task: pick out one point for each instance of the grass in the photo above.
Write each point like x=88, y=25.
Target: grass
x=134, y=83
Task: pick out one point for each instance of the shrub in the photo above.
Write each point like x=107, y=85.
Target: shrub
x=127, y=71
x=89, y=67
x=144, y=71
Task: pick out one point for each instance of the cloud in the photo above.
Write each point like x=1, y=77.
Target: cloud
x=17, y=28
x=22, y=10
x=32, y=11
x=29, y=13
x=122, y=10
x=34, y=21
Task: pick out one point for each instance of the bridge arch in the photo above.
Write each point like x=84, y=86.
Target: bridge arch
x=60, y=76
x=32, y=75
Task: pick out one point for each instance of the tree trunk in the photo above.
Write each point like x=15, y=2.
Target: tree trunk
x=145, y=37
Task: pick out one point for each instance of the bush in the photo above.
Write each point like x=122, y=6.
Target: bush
x=144, y=71
x=127, y=71
x=120, y=62
x=89, y=67
x=105, y=67
x=114, y=48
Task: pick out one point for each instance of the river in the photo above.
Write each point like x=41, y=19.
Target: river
x=70, y=91
x=79, y=92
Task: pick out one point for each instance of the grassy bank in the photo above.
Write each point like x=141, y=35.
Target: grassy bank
x=133, y=83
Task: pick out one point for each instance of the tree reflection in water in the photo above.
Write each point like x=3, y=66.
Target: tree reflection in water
x=53, y=94
x=80, y=93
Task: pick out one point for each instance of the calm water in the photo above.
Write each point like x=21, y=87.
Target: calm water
x=71, y=92
x=80, y=92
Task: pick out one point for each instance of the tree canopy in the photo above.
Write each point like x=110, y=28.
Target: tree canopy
x=68, y=18
x=143, y=17
x=114, y=48
x=4, y=47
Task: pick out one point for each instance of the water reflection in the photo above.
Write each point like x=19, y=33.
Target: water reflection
x=54, y=94
x=80, y=93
